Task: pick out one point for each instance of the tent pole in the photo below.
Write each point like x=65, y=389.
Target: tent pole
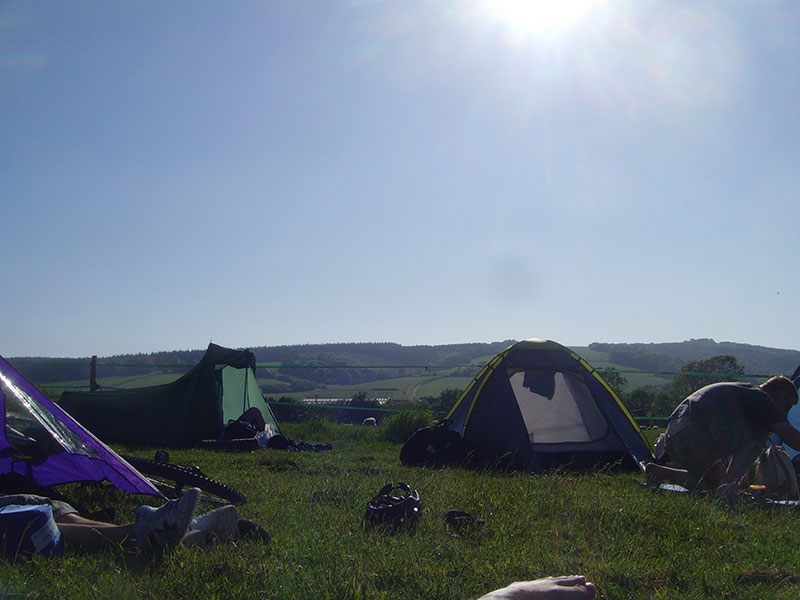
x=93, y=387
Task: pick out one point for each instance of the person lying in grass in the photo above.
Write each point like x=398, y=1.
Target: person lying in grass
x=153, y=529
x=572, y=587
x=715, y=435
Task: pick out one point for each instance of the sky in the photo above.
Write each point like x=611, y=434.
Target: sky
x=276, y=172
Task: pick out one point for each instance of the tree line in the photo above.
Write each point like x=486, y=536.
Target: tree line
x=661, y=401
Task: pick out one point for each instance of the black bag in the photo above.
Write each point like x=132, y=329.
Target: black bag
x=435, y=446
x=236, y=430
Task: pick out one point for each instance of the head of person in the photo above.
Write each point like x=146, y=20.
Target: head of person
x=782, y=391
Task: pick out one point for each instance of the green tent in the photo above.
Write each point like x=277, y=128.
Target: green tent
x=221, y=387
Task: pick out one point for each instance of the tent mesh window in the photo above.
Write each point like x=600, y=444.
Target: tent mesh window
x=32, y=430
x=557, y=407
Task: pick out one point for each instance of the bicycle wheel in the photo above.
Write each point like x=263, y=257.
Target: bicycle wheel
x=184, y=477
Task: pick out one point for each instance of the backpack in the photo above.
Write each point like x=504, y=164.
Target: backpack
x=774, y=469
x=236, y=430
x=435, y=446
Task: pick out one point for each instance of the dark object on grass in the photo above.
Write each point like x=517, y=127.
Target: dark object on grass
x=250, y=530
x=248, y=425
x=436, y=446
x=281, y=442
x=461, y=522
x=396, y=511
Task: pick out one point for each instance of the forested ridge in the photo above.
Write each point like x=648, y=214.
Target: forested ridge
x=671, y=356
x=366, y=361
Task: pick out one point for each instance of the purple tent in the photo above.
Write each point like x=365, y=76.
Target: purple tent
x=42, y=442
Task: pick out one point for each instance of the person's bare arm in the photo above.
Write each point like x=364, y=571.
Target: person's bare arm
x=788, y=434
x=573, y=587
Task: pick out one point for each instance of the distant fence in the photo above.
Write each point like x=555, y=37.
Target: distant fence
x=321, y=404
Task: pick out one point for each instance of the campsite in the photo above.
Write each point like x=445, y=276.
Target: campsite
x=267, y=258
x=632, y=542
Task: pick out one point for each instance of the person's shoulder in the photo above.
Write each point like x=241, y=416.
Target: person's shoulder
x=723, y=388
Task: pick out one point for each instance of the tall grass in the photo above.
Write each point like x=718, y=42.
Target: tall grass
x=631, y=542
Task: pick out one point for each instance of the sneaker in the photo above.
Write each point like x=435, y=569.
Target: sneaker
x=249, y=530
x=160, y=528
x=219, y=525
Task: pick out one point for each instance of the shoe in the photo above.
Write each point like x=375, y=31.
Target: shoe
x=250, y=530
x=161, y=528
x=219, y=525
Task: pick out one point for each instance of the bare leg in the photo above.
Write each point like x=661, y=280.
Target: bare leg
x=95, y=535
x=574, y=587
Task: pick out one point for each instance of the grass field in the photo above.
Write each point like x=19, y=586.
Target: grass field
x=399, y=388
x=633, y=543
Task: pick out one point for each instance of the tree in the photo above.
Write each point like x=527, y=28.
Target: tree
x=701, y=373
x=447, y=398
x=361, y=401
x=614, y=379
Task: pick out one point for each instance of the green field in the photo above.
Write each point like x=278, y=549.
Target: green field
x=406, y=388
x=633, y=543
x=599, y=360
x=399, y=388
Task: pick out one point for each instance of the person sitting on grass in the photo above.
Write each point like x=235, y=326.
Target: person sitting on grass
x=153, y=529
x=572, y=587
x=715, y=435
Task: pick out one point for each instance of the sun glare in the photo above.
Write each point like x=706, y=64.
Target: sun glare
x=543, y=18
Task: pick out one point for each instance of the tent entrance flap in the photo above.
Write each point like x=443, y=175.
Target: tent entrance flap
x=240, y=392
x=557, y=407
x=234, y=392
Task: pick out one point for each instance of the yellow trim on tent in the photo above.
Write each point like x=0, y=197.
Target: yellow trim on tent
x=484, y=374
x=493, y=364
x=614, y=395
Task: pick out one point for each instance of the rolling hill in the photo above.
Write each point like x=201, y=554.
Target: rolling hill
x=394, y=371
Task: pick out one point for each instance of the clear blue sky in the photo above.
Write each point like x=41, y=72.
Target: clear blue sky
x=423, y=172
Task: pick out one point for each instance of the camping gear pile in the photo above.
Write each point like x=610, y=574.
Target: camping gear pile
x=535, y=406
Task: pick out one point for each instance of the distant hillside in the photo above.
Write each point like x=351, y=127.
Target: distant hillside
x=287, y=369
x=296, y=367
x=312, y=366
x=671, y=356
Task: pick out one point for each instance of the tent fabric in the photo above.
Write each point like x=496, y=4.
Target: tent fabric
x=194, y=407
x=40, y=441
x=538, y=405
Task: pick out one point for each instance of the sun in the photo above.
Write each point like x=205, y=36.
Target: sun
x=541, y=18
